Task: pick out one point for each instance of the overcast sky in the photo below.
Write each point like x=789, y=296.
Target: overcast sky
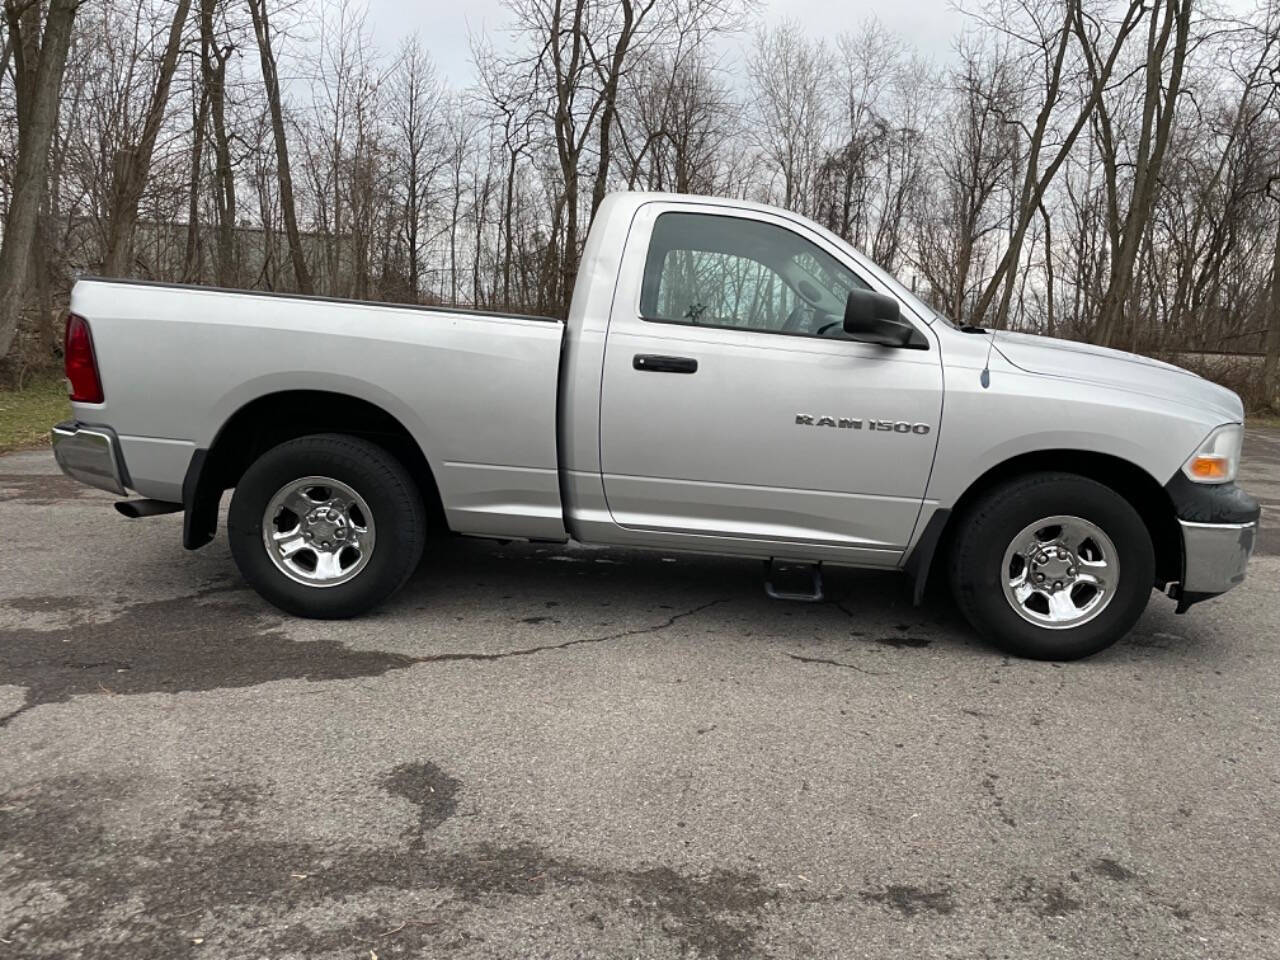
x=443, y=25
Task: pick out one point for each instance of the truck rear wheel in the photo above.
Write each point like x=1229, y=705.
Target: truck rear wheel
x=326, y=526
x=1052, y=566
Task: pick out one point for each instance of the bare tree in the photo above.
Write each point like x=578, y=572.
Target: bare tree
x=609, y=65
x=133, y=162
x=677, y=124
x=509, y=92
x=39, y=54
x=1051, y=43
x=415, y=125
x=271, y=80
x=1167, y=42
x=867, y=64
x=972, y=159
x=793, y=114
x=215, y=52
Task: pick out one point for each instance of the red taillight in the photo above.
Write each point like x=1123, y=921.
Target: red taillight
x=81, y=364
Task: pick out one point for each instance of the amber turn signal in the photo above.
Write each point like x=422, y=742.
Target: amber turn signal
x=1210, y=468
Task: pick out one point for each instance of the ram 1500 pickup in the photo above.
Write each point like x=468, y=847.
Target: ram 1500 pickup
x=731, y=379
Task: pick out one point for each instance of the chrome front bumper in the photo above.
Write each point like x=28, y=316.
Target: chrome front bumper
x=90, y=455
x=1215, y=555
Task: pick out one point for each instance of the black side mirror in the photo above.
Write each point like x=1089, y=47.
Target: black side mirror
x=873, y=318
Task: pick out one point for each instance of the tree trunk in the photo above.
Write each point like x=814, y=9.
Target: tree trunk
x=569, y=149
x=191, y=262
x=37, y=89
x=1048, y=267
x=48, y=333
x=213, y=69
x=262, y=31
x=508, y=239
x=133, y=166
x=481, y=205
x=1271, y=364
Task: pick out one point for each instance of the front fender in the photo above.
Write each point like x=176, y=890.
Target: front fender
x=1022, y=413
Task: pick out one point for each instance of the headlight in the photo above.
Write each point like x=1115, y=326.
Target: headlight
x=1217, y=459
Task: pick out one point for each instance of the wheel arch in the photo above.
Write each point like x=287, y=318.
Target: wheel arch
x=273, y=418
x=1143, y=491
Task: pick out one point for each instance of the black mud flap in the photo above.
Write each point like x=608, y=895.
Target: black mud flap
x=201, y=494
x=921, y=558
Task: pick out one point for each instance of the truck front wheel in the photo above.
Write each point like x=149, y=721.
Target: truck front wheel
x=1052, y=566
x=326, y=526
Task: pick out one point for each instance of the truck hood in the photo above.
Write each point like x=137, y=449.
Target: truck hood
x=1115, y=368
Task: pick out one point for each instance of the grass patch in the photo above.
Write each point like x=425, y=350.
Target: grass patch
x=1263, y=420
x=26, y=415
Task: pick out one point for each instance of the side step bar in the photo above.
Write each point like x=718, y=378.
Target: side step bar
x=133, y=509
x=813, y=595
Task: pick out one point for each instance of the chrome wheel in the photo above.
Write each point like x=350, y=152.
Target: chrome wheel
x=318, y=531
x=1060, y=572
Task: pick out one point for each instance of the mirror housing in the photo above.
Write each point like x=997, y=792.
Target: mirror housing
x=871, y=317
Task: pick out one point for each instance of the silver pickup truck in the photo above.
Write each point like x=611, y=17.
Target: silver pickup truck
x=732, y=379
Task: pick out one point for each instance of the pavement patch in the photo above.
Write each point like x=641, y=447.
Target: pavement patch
x=429, y=789
x=908, y=900
x=47, y=604
x=1045, y=898
x=1111, y=870
x=172, y=646
x=904, y=643
x=172, y=894
x=42, y=490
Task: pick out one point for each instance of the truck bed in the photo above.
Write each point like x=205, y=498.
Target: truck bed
x=476, y=390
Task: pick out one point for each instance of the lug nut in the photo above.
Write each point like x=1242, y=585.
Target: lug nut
x=1057, y=584
x=1039, y=578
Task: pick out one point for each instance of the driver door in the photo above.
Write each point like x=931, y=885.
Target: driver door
x=733, y=410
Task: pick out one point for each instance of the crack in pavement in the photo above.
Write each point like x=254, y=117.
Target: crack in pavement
x=836, y=663
x=544, y=648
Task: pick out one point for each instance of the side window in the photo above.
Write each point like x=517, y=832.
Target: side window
x=721, y=271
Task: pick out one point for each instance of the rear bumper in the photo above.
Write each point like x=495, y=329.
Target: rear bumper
x=90, y=454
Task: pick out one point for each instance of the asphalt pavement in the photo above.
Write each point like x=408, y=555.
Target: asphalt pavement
x=537, y=751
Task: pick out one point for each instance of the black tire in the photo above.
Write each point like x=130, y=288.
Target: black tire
x=988, y=528
x=380, y=480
